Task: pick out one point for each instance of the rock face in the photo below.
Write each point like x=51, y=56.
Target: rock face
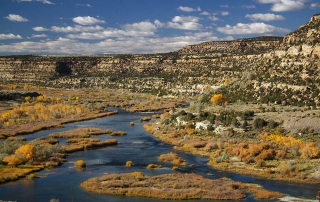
x=243, y=46
x=264, y=69
x=308, y=34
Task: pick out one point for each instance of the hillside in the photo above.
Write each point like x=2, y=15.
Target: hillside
x=262, y=69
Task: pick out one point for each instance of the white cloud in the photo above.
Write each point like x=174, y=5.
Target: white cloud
x=188, y=9
x=39, y=29
x=224, y=6
x=45, y=1
x=159, y=24
x=140, y=29
x=9, y=36
x=38, y=35
x=16, y=18
x=224, y=13
x=185, y=23
x=252, y=28
x=76, y=28
x=87, y=20
x=314, y=5
x=248, y=6
x=213, y=18
x=111, y=46
x=85, y=5
x=185, y=19
x=24, y=0
x=265, y=17
x=140, y=26
x=204, y=13
x=284, y=5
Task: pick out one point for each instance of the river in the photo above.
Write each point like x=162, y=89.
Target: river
x=63, y=183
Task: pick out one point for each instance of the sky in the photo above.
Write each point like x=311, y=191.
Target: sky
x=92, y=27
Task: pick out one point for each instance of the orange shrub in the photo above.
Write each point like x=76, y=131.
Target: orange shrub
x=309, y=151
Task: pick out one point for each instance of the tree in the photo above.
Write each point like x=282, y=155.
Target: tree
x=27, y=151
x=217, y=99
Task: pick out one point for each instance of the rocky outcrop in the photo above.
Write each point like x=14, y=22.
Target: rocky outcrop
x=308, y=34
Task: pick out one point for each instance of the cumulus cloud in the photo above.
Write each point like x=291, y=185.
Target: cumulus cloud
x=140, y=26
x=284, y=5
x=40, y=29
x=264, y=17
x=159, y=24
x=77, y=28
x=251, y=28
x=248, y=6
x=188, y=9
x=204, y=13
x=87, y=20
x=224, y=6
x=16, y=18
x=213, y=18
x=111, y=46
x=185, y=23
x=9, y=36
x=224, y=13
x=38, y=35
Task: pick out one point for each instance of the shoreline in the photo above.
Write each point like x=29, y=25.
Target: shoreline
x=40, y=126
x=154, y=130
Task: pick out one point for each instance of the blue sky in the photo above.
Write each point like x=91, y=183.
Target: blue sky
x=88, y=27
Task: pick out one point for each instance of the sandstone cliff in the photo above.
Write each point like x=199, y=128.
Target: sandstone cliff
x=263, y=69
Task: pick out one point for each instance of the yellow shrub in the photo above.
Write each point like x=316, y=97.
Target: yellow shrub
x=309, y=151
x=217, y=99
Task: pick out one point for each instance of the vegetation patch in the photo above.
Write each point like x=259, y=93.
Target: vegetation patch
x=173, y=187
x=172, y=158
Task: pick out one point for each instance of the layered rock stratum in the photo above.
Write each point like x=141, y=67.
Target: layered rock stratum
x=263, y=69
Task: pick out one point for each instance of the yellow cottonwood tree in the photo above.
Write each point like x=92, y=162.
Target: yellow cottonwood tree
x=27, y=151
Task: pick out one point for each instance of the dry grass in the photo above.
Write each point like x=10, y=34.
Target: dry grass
x=153, y=166
x=11, y=174
x=80, y=133
x=172, y=158
x=82, y=140
x=89, y=145
x=148, y=118
x=118, y=133
x=169, y=187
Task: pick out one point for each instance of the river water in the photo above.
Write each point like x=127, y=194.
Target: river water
x=63, y=183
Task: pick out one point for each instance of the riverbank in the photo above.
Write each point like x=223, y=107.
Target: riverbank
x=219, y=151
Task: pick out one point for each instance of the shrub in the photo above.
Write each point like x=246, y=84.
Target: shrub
x=259, y=123
x=153, y=166
x=217, y=99
x=260, y=163
x=267, y=154
x=309, y=151
x=129, y=164
x=80, y=164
